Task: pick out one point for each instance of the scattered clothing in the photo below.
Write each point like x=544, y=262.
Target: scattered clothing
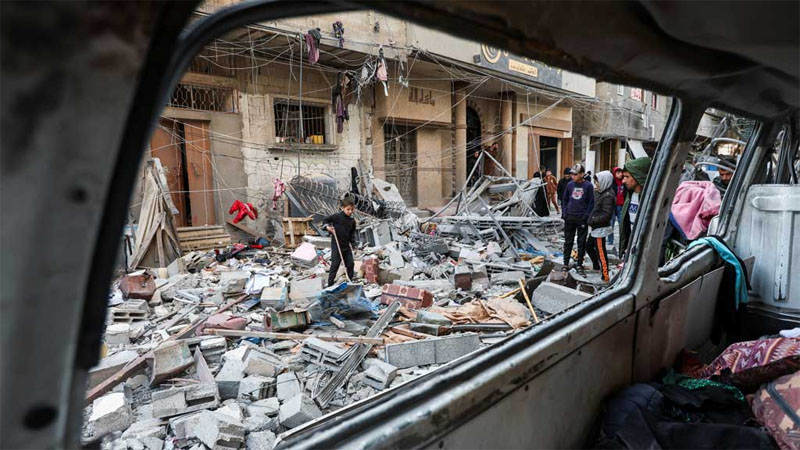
x=339, y=93
x=243, y=210
x=730, y=258
x=776, y=405
x=695, y=204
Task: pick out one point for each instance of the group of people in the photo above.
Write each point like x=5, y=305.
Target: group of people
x=591, y=209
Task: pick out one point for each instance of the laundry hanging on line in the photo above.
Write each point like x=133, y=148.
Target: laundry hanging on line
x=312, y=39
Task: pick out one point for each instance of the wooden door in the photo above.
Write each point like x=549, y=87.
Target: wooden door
x=199, y=173
x=166, y=145
x=567, y=159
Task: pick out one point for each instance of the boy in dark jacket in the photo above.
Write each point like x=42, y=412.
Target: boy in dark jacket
x=600, y=221
x=562, y=184
x=576, y=204
x=342, y=227
x=634, y=175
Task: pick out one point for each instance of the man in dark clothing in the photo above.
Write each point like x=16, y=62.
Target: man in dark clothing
x=726, y=170
x=600, y=221
x=342, y=227
x=576, y=204
x=634, y=175
x=562, y=184
x=539, y=198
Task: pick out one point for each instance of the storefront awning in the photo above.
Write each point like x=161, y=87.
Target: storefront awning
x=636, y=148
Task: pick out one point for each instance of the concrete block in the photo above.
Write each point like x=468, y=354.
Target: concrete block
x=305, y=255
x=452, y=347
x=180, y=400
x=427, y=328
x=110, y=413
x=297, y=411
x=264, y=407
x=258, y=363
x=229, y=377
x=146, y=428
x=231, y=409
x=511, y=277
x=219, y=432
x=109, y=366
x=262, y=440
x=118, y=334
x=410, y=354
x=305, y=289
x=185, y=426
x=260, y=423
x=169, y=360
x=432, y=318
x=233, y=281
x=288, y=386
x=256, y=387
x=379, y=374
x=274, y=297
x=553, y=298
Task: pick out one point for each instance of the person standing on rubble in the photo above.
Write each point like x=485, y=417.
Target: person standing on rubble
x=621, y=190
x=342, y=227
x=576, y=205
x=551, y=187
x=600, y=220
x=634, y=175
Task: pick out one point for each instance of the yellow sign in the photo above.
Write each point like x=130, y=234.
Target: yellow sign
x=521, y=67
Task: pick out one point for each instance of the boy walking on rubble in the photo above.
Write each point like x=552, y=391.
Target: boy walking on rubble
x=576, y=205
x=342, y=227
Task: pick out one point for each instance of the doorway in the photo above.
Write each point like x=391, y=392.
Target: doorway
x=401, y=160
x=473, y=141
x=183, y=147
x=548, y=153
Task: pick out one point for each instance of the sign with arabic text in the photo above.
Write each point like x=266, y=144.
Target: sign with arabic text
x=501, y=60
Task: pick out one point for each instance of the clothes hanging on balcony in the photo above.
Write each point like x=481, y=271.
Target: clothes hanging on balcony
x=339, y=92
x=312, y=42
x=338, y=32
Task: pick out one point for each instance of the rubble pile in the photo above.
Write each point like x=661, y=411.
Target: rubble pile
x=227, y=349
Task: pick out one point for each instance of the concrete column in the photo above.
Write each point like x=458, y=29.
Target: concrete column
x=459, y=98
x=507, y=100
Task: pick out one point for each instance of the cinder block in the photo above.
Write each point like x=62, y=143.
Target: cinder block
x=379, y=374
x=410, y=354
x=256, y=387
x=258, y=363
x=553, y=298
x=297, y=411
x=180, y=400
x=233, y=281
x=229, y=377
x=110, y=413
x=219, y=431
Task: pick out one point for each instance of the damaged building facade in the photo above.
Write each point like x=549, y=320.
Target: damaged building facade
x=232, y=128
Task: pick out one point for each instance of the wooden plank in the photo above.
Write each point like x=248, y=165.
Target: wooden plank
x=245, y=228
x=295, y=336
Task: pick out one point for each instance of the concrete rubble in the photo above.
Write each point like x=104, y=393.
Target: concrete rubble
x=230, y=352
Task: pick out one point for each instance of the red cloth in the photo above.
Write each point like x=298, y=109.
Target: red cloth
x=244, y=209
x=620, y=187
x=223, y=321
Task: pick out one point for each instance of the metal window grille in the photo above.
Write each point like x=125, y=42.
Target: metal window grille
x=287, y=122
x=204, y=98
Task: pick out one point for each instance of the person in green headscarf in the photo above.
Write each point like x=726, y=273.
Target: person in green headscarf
x=634, y=176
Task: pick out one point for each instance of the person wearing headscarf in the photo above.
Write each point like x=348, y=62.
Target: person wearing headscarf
x=634, y=175
x=539, y=198
x=600, y=220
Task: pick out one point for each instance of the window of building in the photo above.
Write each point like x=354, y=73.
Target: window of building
x=287, y=122
x=654, y=103
x=636, y=94
x=204, y=98
x=620, y=89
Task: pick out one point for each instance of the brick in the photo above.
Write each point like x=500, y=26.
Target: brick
x=370, y=268
x=297, y=411
x=410, y=297
x=553, y=298
x=463, y=278
x=256, y=387
x=288, y=386
x=110, y=413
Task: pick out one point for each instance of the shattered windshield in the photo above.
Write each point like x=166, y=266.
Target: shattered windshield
x=331, y=206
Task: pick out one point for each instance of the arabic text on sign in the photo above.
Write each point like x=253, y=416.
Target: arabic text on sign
x=521, y=67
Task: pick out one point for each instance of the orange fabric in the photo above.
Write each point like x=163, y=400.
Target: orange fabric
x=602, y=255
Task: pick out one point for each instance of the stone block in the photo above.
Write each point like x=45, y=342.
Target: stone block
x=219, y=432
x=118, y=334
x=180, y=400
x=110, y=413
x=109, y=366
x=233, y=281
x=288, y=386
x=256, y=387
x=258, y=363
x=410, y=354
x=297, y=411
x=452, y=347
x=432, y=318
x=379, y=374
x=264, y=407
x=262, y=440
x=553, y=298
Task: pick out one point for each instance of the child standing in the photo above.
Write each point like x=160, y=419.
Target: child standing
x=342, y=227
x=576, y=205
x=600, y=221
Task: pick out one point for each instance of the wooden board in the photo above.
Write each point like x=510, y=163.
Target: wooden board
x=203, y=238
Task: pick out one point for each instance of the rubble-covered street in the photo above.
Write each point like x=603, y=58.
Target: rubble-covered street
x=230, y=345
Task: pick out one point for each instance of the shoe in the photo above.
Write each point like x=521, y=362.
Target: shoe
x=580, y=271
x=565, y=268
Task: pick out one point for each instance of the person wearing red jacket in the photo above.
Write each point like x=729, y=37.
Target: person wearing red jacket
x=621, y=190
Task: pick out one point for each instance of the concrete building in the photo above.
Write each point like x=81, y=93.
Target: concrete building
x=623, y=123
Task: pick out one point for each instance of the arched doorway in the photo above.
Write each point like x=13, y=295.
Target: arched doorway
x=473, y=141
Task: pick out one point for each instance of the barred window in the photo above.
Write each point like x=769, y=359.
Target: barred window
x=287, y=122
x=204, y=98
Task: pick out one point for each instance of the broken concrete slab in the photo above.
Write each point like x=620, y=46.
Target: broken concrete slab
x=510, y=278
x=219, y=431
x=305, y=289
x=146, y=428
x=229, y=377
x=169, y=360
x=262, y=440
x=256, y=387
x=288, y=386
x=185, y=426
x=431, y=351
x=180, y=400
x=231, y=409
x=118, y=334
x=453, y=347
x=267, y=407
x=297, y=411
x=554, y=298
x=259, y=363
x=432, y=318
x=110, y=413
x=233, y=281
x=109, y=366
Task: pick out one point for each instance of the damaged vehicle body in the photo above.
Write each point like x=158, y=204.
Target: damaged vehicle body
x=540, y=387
